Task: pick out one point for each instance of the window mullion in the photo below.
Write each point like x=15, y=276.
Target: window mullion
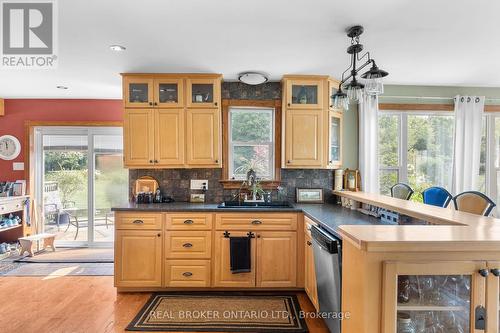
x=403, y=149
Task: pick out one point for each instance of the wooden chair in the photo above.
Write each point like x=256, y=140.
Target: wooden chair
x=473, y=202
x=437, y=196
x=401, y=191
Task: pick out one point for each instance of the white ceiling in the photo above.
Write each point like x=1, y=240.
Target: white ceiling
x=425, y=42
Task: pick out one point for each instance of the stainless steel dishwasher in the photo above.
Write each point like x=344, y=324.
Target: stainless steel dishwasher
x=327, y=251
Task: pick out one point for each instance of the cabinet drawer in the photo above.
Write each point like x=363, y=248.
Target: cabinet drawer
x=11, y=206
x=187, y=273
x=188, y=244
x=139, y=221
x=256, y=221
x=189, y=221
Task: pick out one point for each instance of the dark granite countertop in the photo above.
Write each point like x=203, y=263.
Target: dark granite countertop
x=329, y=216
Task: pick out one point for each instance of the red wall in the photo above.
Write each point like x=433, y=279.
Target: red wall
x=18, y=111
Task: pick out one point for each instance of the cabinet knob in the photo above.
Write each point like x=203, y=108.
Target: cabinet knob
x=150, y=103
x=156, y=161
x=258, y=236
x=495, y=271
x=215, y=103
x=150, y=161
x=216, y=161
x=188, y=222
x=309, y=243
x=187, y=245
x=187, y=274
x=288, y=161
x=159, y=235
x=138, y=222
x=256, y=222
x=156, y=103
x=483, y=272
x=288, y=104
x=330, y=162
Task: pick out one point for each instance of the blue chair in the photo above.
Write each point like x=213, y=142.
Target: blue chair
x=401, y=191
x=437, y=196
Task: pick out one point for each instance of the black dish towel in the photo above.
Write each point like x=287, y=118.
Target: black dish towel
x=239, y=248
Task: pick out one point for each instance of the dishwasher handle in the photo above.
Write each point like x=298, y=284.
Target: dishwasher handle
x=325, y=240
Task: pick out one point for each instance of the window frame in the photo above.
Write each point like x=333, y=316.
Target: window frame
x=232, y=144
x=226, y=181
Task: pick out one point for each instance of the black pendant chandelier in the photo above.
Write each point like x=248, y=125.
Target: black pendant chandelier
x=371, y=83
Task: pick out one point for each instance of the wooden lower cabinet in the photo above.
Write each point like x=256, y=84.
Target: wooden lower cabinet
x=187, y=273
x=310, y=273
x=138, y=258
x=276, y=259
x=222, y=271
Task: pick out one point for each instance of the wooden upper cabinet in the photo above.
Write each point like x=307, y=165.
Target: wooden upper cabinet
x=138, y=92
x=203, y=137
x=169, y=137
x=304, y=138
x=138, y=258
x=304, y=93
x=333, y=87
x=138, y=137
x=203, y=92
x=276, y=259
x=168, y=93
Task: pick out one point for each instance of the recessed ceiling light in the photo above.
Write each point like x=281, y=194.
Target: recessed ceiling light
x=62, y=87
x=252, y=78
x=117, y=48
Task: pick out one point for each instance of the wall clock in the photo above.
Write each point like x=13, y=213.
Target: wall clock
x=10, y=147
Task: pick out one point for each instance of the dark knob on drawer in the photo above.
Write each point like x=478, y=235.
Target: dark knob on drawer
x=288, y=104
x=216, y=161
x=187, y=245
x=150, y=103
x=187, y=274
x=496, y=272
x=256, y=222
x=288, y=161
x=159, y=235
x=215, y=103
x=156, y=103
x=156, y=161
x=483, y=272
x=138, y=222
x=309, y=243
x=188, y=222
x=150, y=161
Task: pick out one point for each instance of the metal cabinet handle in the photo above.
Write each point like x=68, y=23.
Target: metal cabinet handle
x=256, y=222
x=309, y=243
x=188, y=222
x=159, y=235
x=138, y=222
x=495, y=271
x=483, y=272
x=187, y=245
x=187, y=274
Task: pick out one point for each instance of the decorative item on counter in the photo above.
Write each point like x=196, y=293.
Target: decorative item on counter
x=338, y=180
x=145, y=184
x=158, y=197
x=282, y=193
x=352, y=180
x=309, y=195
x=19, y=188
x=197, y=198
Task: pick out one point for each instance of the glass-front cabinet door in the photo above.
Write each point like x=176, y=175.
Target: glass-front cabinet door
x=169, y=93
x=305, y=94
x=138, y=92
x=335, y=139
x=434, y=296
x=203, y=92
x=493, y=297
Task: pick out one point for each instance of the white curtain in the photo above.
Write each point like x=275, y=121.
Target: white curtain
x=467, y=150
x=368, y=143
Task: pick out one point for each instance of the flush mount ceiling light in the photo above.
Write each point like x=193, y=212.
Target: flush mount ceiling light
x=62, y=87
x=372, y=79
x=252, y=78
x=117, y=48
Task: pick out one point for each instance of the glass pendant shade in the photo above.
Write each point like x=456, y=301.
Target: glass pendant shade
x=355, y=90
x=340, y=100
x=374, y=86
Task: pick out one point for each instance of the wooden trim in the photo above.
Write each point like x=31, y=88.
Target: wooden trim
x=492, y=304
x=29, y=144
x=2, y=107
x=226, y=104
x=428, y=107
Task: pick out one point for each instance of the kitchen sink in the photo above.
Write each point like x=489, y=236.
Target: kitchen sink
x=237, y=204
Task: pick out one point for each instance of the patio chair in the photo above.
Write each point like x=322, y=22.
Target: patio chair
x=473, y=202
x=436, y=196
x=401, y=191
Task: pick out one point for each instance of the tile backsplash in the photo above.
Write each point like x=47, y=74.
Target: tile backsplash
x=176, y=182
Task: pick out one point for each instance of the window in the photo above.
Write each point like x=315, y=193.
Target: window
x=251, y=142
x=415, y=148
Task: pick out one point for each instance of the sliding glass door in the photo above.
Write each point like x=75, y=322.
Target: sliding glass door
x=79, y=177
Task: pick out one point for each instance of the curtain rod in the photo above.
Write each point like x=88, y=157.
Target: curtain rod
x=430, y=97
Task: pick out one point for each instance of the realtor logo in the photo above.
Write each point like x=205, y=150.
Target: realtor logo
x=28, y=34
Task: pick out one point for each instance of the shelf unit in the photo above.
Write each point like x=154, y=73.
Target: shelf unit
x=16, y=206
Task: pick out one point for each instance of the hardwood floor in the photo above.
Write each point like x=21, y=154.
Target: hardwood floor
x=80, y=304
